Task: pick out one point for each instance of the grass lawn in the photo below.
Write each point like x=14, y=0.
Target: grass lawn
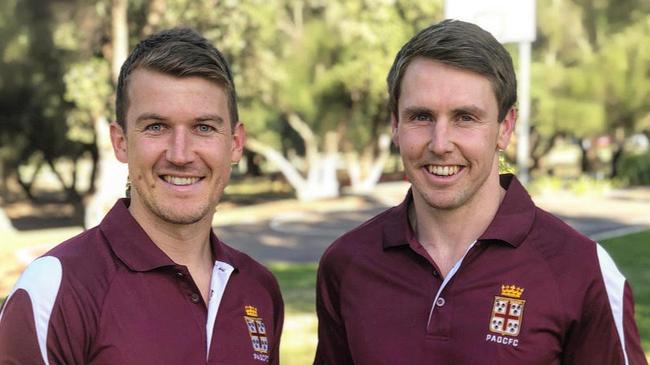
x=632, y=256
x=631, y=253
x=297, y=282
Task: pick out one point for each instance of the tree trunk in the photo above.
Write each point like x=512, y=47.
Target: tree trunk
x=111, y=177
x=616, y=156
x=27, y=185
x=5, y=223
x=119, y=35
x=70, y=190
x=111, y=174
x=365, y=172
x=585, y=162
x=321, y=181
x=540, y=147
x=155, y=14
x=619, y=145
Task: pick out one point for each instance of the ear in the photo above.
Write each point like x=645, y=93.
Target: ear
x=506, y=128
x=118, y=139
x=394, y=129
x=238, y=142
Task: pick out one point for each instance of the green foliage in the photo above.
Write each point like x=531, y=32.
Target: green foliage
x=506, y=167
x=635, y=169
x=580, y=186
x=323, y=61
x=590, y=69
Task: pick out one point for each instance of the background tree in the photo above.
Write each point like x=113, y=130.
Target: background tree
x=590, y=72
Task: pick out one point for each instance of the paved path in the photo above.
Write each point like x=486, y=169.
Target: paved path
x=299, y=232
x=287, y=231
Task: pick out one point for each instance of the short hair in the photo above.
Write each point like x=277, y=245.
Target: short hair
x=464, y=46
x=180, y=52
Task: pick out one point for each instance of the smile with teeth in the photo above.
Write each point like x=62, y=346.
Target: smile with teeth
x=176, y=180
x=443, y=170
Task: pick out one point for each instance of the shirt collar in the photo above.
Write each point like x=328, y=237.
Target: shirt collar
x=136, y=250
x=511, y=224
x=515, y=215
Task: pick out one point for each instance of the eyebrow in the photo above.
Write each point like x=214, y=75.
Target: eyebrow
x=471, y=109
x=157, y=117
x=416, y=110
x=463, y=109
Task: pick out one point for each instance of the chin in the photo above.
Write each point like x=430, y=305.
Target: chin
x=177, y=216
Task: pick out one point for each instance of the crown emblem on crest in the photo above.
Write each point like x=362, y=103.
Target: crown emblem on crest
x=511, y=291
x=250, y=311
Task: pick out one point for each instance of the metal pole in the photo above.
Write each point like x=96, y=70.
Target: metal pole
x=523, y=124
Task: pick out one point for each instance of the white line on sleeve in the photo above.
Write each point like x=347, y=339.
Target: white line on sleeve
x=615, y=286
x=41, y=280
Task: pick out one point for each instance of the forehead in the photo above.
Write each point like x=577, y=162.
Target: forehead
x=427, y=80
x=152, y=91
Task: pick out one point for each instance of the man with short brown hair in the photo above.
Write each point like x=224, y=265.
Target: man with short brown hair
x=152, y=284
x=467, y=270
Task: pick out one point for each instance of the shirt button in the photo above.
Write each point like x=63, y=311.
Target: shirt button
x=440, y=302
x=195, y=298
x=179, y=275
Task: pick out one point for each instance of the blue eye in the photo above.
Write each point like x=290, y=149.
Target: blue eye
x=204, y=128
x=156, y=127
x=465, y=118
x=422, y=117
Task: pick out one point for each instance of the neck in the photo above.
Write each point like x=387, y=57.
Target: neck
x=185, y=244
x=447, y=233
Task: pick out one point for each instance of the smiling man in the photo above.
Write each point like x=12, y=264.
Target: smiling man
x=467, y=270
x=152, y=284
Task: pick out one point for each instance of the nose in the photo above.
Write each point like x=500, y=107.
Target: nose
x=440, y=142
x=179, y=151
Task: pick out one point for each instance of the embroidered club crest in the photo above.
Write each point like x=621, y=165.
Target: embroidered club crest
x=256, y=329
x=508, y=311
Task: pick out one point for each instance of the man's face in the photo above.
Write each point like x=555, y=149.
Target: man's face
x=179, y=146
x=448, y=134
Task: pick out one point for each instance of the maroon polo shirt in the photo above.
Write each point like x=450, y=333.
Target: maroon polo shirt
x=531, y=290
x=111, y=296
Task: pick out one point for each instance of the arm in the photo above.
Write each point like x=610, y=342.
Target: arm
x=607, y=332
x=18, y=336
x=333, y=348
x=34, y=327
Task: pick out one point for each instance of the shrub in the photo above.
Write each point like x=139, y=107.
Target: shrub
x=635, y=169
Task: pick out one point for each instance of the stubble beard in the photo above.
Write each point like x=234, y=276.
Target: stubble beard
x=174, y=216
x=456, y=198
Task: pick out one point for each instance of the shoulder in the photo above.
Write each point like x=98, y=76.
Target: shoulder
x=85, y=259
x=579, y=263
x=366, y=239
x=74, y=276
x=556, y=240
x=60, y=294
